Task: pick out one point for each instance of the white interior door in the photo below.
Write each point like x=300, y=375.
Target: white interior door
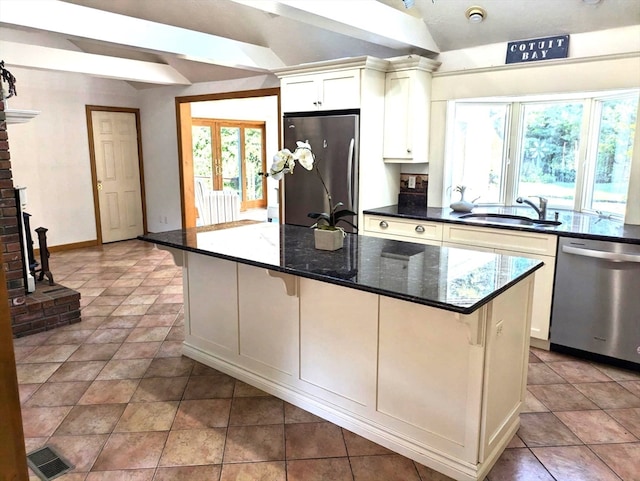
x=118, y=175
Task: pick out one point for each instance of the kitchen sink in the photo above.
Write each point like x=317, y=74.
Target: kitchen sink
x=509, y=219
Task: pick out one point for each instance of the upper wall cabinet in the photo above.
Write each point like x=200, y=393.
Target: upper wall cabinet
x=333, y=85
x=322, y=91
x=407, y=105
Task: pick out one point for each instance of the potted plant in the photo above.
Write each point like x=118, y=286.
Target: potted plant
x=328, y=235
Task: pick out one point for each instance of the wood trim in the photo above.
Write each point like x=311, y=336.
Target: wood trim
x=185, y=160
x=13, y=455
x=92, y=158
x=69, y=247
x=185, y=165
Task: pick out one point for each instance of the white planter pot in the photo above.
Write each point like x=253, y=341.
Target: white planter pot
x=328, y=240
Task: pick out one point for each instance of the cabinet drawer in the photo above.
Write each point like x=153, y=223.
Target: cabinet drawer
x=411, y=230
x=529, y=242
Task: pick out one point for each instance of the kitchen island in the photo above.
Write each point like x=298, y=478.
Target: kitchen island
x=422, y=349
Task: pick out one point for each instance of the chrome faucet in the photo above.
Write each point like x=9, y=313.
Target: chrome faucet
x=541, y=211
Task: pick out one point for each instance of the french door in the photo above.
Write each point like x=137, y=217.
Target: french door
x=230, y=155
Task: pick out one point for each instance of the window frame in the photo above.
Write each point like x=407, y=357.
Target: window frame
x=587, y=149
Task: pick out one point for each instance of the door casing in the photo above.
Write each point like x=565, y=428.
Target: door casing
x=89, y=109
x=185, y=157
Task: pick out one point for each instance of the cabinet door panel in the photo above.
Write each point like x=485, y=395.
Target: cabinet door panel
x=268, y=322
x=299, y=94
x=542, y=293
x=212, y=315
x=340, y=90
x=424, y=375
x=338, y=340
x=397, y=105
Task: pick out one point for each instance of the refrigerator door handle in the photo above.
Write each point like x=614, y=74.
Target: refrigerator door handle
x=350, y=171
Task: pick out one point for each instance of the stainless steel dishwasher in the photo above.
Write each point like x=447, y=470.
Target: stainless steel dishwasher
x=596, y=299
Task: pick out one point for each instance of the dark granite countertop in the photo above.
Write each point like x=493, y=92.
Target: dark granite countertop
x=574, y=224
x=458, y=280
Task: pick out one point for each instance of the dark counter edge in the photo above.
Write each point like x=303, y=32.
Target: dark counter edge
x=454, y=218
x=341, y=282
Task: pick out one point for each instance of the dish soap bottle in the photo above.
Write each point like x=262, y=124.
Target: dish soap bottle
x=462, y=205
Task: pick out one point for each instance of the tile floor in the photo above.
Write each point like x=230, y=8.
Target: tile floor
x=115, y=396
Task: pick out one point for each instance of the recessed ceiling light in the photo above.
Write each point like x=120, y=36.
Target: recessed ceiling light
x=591, y=2
x=475, y=14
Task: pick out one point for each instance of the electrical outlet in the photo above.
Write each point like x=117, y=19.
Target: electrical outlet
x=499, y=327
x=165, y=219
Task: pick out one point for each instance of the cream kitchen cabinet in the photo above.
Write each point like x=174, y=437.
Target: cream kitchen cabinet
x=322, y=91
x=333, y=85
x=407, y=105
x=424, y=232
x=535, y=245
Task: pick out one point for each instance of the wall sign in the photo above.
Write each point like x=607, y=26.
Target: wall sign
x=538, y=49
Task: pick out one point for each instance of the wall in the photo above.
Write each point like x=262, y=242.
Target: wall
x=51, y=152
x=159, y=140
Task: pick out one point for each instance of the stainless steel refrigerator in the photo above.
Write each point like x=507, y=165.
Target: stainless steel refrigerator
x=334, y=141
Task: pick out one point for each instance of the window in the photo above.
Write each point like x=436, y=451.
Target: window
x=576, y=152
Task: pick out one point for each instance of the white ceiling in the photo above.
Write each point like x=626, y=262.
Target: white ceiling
x=281, y=32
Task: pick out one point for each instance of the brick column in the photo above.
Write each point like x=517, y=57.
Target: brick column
x=9, y=229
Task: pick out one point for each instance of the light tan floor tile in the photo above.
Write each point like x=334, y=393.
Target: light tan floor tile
x=578, y=371
x=256, y=410
x=195, y=446
x=124, y=369
x=160, y=389
x=561, y=397
x=293, y=414
x=117, y=391
x=621, y=458
x=121, y=475
x=148, y=416
x=131, y=451
x=518, y=465
x=95, y=352
x=335, y=469
x=58, y=394
x=545, y=429
x=609, y=395
x=42, y=421
x=383, y=468
x=574, y=463
x=595, y=427
x=629, y=418
x=254, y=443
x=77, y=371
x=314, y=440
x=91, y=419
x=207, y=387
x=202, y=414
x=190, y=473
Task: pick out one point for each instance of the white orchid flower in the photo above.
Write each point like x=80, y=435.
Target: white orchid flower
x=283, y=163
x=304, y=155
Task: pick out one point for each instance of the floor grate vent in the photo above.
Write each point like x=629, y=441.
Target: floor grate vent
x=48, y=464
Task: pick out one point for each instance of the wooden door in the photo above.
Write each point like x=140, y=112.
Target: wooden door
x=230, y=155
x=117, y=175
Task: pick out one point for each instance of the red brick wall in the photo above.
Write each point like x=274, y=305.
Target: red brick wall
x=9, y=229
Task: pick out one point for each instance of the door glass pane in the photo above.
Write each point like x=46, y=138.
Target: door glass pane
x=202, y=157
x=231, y=157
x=613, y=162
x=548, y=151
x=253, y=163
x=478, y=151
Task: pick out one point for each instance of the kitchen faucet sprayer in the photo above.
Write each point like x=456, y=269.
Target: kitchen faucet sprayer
x=541, y=211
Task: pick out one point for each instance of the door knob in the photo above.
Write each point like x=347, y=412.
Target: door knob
x=99, y=185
